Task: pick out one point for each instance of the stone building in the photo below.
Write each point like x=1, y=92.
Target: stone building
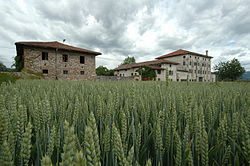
x=182, y=65
x=57, y=60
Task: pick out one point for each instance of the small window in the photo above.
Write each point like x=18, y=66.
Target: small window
x=65, y=58
x=184, y=63
x=170, y=65
x=190, y=63
x=159, y=71
x=184, y=56
x=120, y=75
x=82, y=72
x=82, y=59
x=45, y=56
x=45, y=71
x=190, y=56
x=159, y=79
x=132, y=74
x=65, y=71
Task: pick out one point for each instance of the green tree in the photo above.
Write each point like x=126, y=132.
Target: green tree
x=128, y=60
x=18, y=63
x=230, y=70
x=103, y=71
x=147, y=72
x=3, y=67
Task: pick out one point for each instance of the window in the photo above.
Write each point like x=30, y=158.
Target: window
x=45, y=71
x=132, y=74
x=170, y=65
x=184, y=63
x=65, y=71
x=190, y=56
x=184, y=56
x=65, y=58
x=159, y=71
x=190, y=63
x=44, y=56
x=82, y=72
x=120, y=75
x=82, y=59
x=159, y=79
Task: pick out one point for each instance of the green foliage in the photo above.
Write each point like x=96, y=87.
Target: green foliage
x=124, y=123
x=18, y=63
x=147, y=72
x=6, y=77
x=230, y=70
x=103, y=71
x=3, y=67
x=128, y=60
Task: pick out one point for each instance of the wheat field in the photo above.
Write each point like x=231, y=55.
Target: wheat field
x=124, y=123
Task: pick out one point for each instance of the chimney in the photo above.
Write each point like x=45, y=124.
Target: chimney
x=206, y=52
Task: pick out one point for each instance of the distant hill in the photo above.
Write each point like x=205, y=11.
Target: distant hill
x=246, y=76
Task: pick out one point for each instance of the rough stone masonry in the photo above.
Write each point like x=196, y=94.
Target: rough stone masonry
x=57, y=60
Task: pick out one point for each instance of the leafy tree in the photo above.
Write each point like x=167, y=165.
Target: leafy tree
x=18, y=63
x=147, y=72
x=103, y=71
x=230, y=70
x=3, y=67
x=128, y=60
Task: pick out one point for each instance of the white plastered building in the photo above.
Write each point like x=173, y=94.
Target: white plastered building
x=181, y=65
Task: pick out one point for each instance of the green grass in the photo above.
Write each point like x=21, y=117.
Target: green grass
x=5, y=77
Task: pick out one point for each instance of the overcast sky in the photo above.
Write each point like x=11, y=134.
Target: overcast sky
x=144, y=29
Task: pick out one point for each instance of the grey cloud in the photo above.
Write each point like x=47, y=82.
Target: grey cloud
x=211, y=25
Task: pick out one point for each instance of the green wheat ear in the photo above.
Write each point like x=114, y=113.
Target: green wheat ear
x=79, y=159
x=92, y=124
x=26, y=145
x=6, y=156
x=51, y=142
x=117, y=146
x=69, y=147
x=89, y=146
x=46, y=161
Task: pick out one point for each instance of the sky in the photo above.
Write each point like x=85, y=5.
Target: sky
x=144, y=29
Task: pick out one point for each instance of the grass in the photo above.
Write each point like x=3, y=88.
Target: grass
x=5, y=77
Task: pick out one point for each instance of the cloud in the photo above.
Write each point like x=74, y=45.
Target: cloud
x=144, y=29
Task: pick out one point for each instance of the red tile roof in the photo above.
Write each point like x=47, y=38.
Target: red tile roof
x=57, y=45
x=147, y=63
x=182, y=52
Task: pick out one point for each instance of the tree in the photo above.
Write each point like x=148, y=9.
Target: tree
x=18, y=63
x=230, y=70
x=128, y=60
x=103, y=71
x=3, y=67
x=147, y=72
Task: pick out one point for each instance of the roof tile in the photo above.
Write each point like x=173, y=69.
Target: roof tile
x=57, y=45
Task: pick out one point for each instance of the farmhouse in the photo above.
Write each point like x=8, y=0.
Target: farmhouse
x=181, y=65
x=57, y=60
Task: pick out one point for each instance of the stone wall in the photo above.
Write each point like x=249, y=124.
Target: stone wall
x=55, y=65
x=114, y=78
